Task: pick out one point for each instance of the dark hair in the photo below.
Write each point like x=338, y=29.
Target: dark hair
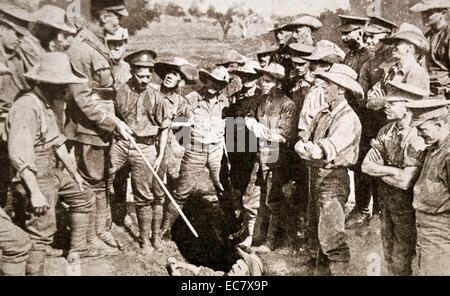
x=45, y=34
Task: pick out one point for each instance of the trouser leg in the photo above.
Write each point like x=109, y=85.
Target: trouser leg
x=15, y=246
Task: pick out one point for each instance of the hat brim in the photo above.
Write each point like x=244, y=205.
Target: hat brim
x=15, y=27
x=344, y=81
x=293, y=26
x=76, y=77
x=422, y=7
x=331, y=58
x=394, y=99
x=373, y=30
x=63, y=27
x=299, y=60
x=416, y=40
x=277, y=76
x=205, y=76
x=161, y=69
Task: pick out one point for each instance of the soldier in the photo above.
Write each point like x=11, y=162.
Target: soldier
x=12, y=82
x=434, y=16
x=232, y=60
x=35, y=143
x=53, y=29
x=29, y=48
x=302, y=29
x=431, y=192
x=409, y=44
x=273, y=123
x=396, y=159
x=331, y=150
x=117, y=44
x=372, y=121
x=91, y=119
x=242, y=155
x=15, y=245
x=175, y=73
x=145, y=111
x=281, y=35
x=267, y=54
x=351, y=29
x=205, y=146
x=299, y=81
x=323, y=57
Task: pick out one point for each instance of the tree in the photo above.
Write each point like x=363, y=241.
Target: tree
x=174, y=9
x=234, y=15
x=140, y=15
x=194, y=10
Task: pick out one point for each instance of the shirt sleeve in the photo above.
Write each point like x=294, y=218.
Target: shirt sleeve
x=415, y=152
x=184, y=109
x=339, y=138
x=23, y=123
x=287, y=124
x=163, y=112
x=379, y=142
x=84, y=96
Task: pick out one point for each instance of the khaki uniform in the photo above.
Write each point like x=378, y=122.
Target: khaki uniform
x=438, y=60
x=397, y=213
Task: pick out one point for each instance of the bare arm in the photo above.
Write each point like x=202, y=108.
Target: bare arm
x=404, y=179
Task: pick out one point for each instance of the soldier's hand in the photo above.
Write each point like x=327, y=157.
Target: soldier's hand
x=316, y=152
x=39, y=203
x=124, y=131
x=300, y=149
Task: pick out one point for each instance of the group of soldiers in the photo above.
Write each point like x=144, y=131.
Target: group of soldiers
x=76, y=110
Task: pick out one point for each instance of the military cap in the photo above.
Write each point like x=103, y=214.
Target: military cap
x=120, y=35
x=378, y=25
x=278, y=27
x=350, y=23
x=15, y=17
x=249, y=68
x=304, y=20
x=231, y=56
x=300, y=50
x=268, y=48
x=142, y=58
x=55, y=17
x=117, y=6
x=429, y=109
x=426, y=5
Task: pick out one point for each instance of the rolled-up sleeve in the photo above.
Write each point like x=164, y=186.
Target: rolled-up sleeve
x=23, y=123
x=163, y=113
x=339, y=138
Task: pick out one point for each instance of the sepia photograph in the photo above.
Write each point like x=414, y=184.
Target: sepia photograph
x=224, y=138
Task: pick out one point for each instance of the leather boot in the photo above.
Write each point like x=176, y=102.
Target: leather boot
x=102, y=220
x=79, y=247
x=156, y=227
x=169, y=219
x=144, y=215
x=13, y=269
x=272, y=235
x=36, y=263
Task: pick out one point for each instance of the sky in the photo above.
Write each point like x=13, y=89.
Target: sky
x=266, y=8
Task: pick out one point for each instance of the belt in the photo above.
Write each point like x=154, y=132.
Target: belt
x=203, y=145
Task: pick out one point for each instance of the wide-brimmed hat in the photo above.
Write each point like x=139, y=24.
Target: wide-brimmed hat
x=249, y=68
x=428, y=109
x=231, y=56
x=350, y=23
x=254, y=263
x=343, y=76
x=327, y=51
x=219, y=74
x=121, y=34
x=304, y=20
x=408, y=91
x=55, y=17
x=426, y=5
x=56, y=68
x=300, y=50
x=16, y=18
x=274, y=70
x=181, y=65
x=118, y=6
x=378, y=25
x=412, y=34
x=142, y=58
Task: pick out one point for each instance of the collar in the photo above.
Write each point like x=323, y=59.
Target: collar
x=342, y=105
x=41, y=96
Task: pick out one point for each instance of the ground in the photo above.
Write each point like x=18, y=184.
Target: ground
x=201, y=44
